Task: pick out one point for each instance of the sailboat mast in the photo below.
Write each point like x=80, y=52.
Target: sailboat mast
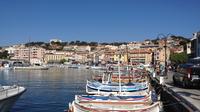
x=127, y=63
x=29, y=51
x=120, y=89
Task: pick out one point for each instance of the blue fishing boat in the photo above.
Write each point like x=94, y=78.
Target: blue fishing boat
x=93, y=86
x=111, y=98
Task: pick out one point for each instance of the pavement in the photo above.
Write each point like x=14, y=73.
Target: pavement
x=191, y=96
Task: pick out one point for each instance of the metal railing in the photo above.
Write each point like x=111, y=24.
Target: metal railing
x=9, y=91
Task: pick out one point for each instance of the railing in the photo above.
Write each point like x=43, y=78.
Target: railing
x=6, y=92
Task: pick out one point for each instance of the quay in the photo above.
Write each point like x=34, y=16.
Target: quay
x=176, y=98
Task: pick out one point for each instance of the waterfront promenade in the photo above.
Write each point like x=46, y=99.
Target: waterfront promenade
x=188, y=97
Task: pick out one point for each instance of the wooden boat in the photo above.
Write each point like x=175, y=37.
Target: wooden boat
x=114, y=87
x=124, y=78
x=111, y=99
x=114, y=107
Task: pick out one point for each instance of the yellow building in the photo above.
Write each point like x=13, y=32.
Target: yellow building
x=123, y=58
x=53, y=57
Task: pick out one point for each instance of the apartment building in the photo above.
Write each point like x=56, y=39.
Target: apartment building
x=33, y=54
x=140, y=55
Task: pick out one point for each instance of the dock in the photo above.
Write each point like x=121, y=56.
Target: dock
x=176, y=98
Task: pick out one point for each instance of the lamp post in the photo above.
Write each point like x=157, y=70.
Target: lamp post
x=165, y=50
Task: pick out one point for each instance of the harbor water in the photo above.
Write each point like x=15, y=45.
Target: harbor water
x=47, y=90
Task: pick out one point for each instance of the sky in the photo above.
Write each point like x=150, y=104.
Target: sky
x=96, y=20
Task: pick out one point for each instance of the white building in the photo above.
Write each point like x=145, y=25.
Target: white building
x=55, y=40
x=10, y=49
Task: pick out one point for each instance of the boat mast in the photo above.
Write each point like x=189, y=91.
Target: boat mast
x=120, y=89
x=29, y=51
x=129, y=80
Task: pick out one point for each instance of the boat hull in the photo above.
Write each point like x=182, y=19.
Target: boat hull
x=6, y=104
x=7, y=100
x=30, y=68
x=99, y=88
x=79, y=107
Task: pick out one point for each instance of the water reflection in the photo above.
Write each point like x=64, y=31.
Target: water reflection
x=47, y=90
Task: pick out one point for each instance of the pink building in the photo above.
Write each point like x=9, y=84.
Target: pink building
x=33, y=54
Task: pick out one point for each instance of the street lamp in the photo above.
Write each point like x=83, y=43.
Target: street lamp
x=165, y=48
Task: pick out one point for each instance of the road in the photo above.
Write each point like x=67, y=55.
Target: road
x=191, y=95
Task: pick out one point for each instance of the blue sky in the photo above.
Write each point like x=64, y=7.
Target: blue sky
x=96, y=20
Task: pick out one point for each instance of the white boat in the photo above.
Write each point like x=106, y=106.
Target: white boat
x=9, y=95
x=74, y=66
x=113, y=104
x=6, y=67
x=98, y=68
x=30, y=68
x=99, y=88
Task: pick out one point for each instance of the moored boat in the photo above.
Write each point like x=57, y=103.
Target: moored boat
x=117, y=107
x=30, y=68
x=9, y=95
x=112, y=99
x=97, y=87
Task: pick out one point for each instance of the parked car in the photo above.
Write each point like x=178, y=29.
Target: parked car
x=187, y=75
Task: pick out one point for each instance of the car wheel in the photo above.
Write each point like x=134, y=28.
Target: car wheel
x=174, y=80
x=185, y=83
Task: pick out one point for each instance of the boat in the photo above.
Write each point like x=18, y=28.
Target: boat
x=107, y=85
x=95, y=87
x=125, y=77
x=6, y=66
x=112, y=98
x=113, y=104
x=9, y=95
x=74, y=66
x=30, y=68
x=98, y=68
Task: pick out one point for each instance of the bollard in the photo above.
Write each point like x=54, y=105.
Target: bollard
x=162, y=80
x=154, y=74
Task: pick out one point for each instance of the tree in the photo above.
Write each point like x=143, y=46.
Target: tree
x=62, y=61
x=155, y=41
x=34, y=44
x=93, y=43
x=178, y=58
x=4, y=55
x=72, y=43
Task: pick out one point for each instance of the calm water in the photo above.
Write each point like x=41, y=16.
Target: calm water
x=49, y=90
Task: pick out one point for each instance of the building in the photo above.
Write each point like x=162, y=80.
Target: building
x=83, y=48
x=53, y=58
x=55, y=40
x=140, y=56
x=161, y=56
x=108, y=55
x=189, y=48
x=195, y=45
x=10, y=49
x=134, y=45
x=33, y=54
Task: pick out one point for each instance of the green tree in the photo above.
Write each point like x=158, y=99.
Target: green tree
x=177, y=58
x=62, y=61
x=4, y=55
